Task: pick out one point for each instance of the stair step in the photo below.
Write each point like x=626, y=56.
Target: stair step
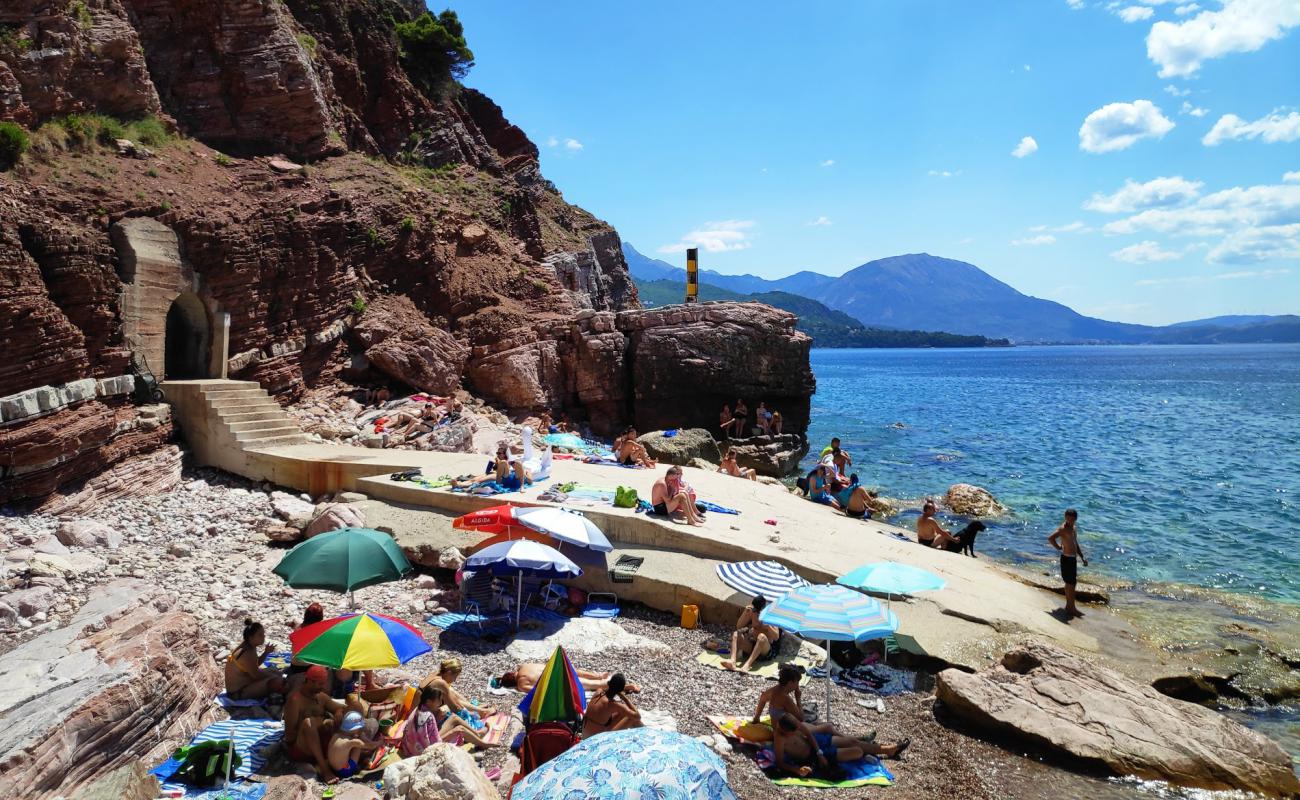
x=243, y=426
x=283, y=429
x=252, y=416
x=275, y=441
x=228, y=394
x=251, y=403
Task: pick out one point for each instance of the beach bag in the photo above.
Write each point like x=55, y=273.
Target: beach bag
x=690, y=616
x=625, y=497
x=204, y=764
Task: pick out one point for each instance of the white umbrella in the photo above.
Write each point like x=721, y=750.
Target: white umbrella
x=520, y=557
x=565, y=526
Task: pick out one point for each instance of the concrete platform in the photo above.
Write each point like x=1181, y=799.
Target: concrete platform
x=969, y=623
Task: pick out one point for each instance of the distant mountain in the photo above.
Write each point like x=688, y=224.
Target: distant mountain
x=827, y=327
x=924, y=292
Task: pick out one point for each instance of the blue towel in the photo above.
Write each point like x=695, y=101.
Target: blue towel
x=226, y=702
x=253, y=742
x=707, y=506
x=277, y=661
x=500, y=623
x=600, y=611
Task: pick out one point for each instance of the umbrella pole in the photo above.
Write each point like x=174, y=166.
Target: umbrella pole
x=829, y=681
x=519, y=600
x=889, y=607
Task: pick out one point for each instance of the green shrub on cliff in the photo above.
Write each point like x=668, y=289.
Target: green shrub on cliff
x=13, y=143
x=433, y=50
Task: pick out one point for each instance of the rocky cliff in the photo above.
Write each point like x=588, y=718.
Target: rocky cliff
x=236, y=187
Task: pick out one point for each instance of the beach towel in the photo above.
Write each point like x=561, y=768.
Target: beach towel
x=659, y=720
x=863, y=772
x=742, y=729
x=225, y=701
x=497, y=725
x=255, y=740
x=277, y=661
x=468, y=624
x=875, y=679
x=763, y=669
x=707, y=506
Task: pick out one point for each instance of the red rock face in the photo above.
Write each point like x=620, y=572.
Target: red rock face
x=431, y=206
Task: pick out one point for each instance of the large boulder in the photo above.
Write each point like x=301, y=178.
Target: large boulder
x=443, y=772
x=333, y=516
x=776, y=456
x=128, y=675
x=682, y=447
x=972, y=501
x=87, y=533
x=128, y=782
x=399, y=341
x=1071, y=707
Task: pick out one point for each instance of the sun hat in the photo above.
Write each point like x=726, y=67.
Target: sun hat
x=352, y=721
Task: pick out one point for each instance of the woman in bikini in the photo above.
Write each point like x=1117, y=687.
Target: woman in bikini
x=610, y=709
x=246, y=679
x=448, y=672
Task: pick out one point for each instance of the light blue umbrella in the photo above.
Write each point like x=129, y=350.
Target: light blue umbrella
x=633, y=764
x=891, y=578
x=833, y=613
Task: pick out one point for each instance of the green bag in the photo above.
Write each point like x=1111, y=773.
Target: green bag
x=625, y=497
x=204, y=764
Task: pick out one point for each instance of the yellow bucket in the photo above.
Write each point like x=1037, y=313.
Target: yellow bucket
x=690, y=616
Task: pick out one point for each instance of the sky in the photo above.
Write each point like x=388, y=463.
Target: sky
x=1135, y=160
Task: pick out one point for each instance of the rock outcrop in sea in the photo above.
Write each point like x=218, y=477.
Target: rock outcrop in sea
x=261, y=190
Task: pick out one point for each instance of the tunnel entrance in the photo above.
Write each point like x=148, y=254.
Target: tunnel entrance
x=188, y=338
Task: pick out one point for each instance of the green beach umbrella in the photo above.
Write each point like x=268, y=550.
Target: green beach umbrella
x=344, y=561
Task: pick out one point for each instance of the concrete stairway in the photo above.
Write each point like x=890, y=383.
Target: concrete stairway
x=222, y=419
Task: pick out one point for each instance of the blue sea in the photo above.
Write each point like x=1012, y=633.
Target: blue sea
x=1183, y=461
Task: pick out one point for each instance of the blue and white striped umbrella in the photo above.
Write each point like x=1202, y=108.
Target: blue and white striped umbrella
x=767, y=579
x=833, y=613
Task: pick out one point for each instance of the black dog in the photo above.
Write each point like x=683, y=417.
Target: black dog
x=966, y=538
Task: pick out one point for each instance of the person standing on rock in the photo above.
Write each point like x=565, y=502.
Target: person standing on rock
x=1066, y=540
x=726, y=422
x=741, y=413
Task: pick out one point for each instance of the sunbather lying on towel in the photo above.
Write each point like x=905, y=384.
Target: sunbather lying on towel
x=246, y=679
x=507, y=470
x=802, y=751
x=309, y=723
x=359, y=691
x=525, y=677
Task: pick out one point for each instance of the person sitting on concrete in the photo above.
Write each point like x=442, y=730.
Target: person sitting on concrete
x=347, y=745
x=309, y=722
x=670, y=496
x=730, y=467
x=506, y=469
x=448, y=671
x=819, y=485
x=854, y=499
x=928, y=530
x=752, y=638
x=525, y=676
x=610, y=709
x=246, y=678
x=801, y=751
x=630, y=452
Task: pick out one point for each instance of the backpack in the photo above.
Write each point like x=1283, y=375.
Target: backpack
x=625, y=497
x=204, y=764
x=543, y=742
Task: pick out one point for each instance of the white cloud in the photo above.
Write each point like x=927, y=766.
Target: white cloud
x=1073, y=227
x=1192, y=111
x=1145, y=253
x=1176, y=92
x=1034, y=241
x=1262, y=273
x=1272, y=129
x=941, y=173
x=1291, y=177
x=1027, y=146
x=1075, y=4
x=1038, y=228
x=820, y=222
x=1252, y=245
x=572, y=145
x=1155, y=193
x=1028, y=68
x=715, y=237
x=1222, y=276
x=1240, y=26
x=1118, y=126
x=830, y=162
x=1135, y=13
x=1184, y=10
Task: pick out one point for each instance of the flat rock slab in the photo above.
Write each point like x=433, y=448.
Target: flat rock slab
x=1069, y=706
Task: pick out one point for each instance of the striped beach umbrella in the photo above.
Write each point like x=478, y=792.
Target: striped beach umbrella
x=833, y=613
x=357, y=642
x=766, y=579
x=558, y=695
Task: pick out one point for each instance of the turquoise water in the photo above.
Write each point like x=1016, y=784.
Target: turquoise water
x=1183, y=461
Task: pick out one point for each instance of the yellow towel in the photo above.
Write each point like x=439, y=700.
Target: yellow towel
x=765, y=669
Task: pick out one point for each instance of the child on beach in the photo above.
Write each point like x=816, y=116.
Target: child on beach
x=347, y=745
x=1066, y=539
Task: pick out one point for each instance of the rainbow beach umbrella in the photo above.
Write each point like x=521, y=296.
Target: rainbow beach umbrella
x=558, y=695
x=358, y=641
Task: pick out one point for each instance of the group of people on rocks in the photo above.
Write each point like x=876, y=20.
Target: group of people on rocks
x=733, y=421
x=831, y=483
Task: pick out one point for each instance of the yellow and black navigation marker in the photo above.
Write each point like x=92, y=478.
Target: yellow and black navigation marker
x=692, y=274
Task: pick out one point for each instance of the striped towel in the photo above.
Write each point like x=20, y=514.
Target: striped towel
x=254, y=741
x=469, y=623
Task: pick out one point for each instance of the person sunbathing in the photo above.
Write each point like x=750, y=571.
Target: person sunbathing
x=670, y=496
x=786, y=697
x=801, y=751
x=309, y=722
x=928, y=530
x=451, y=724
x=246, y=678
x=776, y=423
x=448, y=671
x=631, y=453
x=525, y=676
x=347, y=745
x=505, y=469
x=417, y=426
x=610, y=709
x=730, y=467
x=312, y=614
x=752, y=639
x=853, y=499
